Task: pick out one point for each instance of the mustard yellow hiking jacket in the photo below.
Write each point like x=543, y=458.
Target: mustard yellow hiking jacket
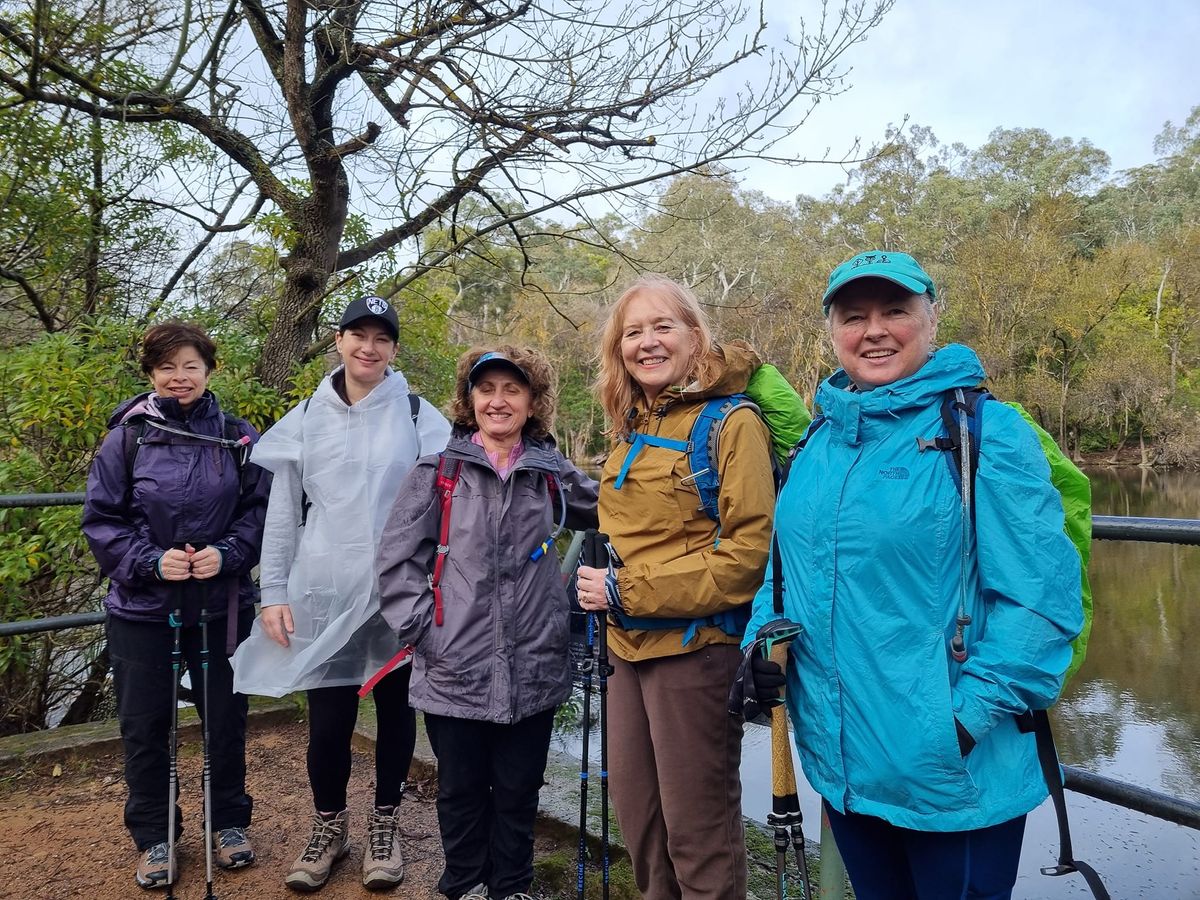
x=674, y=566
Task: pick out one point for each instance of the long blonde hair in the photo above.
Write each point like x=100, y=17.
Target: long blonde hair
x=615, y=388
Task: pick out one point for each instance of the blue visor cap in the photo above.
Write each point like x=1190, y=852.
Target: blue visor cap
x=898, y=268
x=494, y=359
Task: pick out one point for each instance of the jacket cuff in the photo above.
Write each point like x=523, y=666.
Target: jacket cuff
x=612, y=593
x=273, y=594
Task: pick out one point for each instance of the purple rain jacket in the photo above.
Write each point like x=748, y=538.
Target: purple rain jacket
x=183, y=490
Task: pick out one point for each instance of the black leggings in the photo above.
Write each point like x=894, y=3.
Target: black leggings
x=332, y=712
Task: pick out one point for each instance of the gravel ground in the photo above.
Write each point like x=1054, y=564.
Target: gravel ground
x=61, y=835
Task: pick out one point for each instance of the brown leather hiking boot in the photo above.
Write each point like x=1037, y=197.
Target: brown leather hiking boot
x=328, y=845
x=383, y=864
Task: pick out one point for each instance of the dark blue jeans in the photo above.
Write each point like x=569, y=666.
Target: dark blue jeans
x=885, y=862
x=141, y=665
x=489, y=776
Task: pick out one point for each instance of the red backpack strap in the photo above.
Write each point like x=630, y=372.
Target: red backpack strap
x=447, y=477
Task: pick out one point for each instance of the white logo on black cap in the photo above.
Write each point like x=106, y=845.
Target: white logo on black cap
x=377, y=305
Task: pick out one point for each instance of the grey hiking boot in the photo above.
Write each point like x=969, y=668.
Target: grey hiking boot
x=328, y=845
x=232, y=849
x=479, y=892
x=383, y=865
x=154, y=866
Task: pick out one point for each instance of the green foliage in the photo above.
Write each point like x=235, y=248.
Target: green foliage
x=55, y=395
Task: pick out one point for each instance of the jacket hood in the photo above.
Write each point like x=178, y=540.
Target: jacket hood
x=737, y=361
x=394, y=383
x=167, y=407
x=953, y=366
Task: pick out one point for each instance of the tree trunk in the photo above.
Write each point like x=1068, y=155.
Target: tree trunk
x=308, y=269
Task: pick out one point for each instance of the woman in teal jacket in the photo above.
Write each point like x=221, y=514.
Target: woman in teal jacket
x=917, y=754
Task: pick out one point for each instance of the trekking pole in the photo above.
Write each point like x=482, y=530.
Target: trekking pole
x=596, y=548
x=785, y=817
x=207, y=776
x=176, y=622
x=586, y=670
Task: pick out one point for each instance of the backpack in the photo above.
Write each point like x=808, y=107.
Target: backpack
x=1073, y=486
x=961, y=414
x=782, y=410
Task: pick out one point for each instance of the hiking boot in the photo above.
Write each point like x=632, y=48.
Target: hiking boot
x=479, y=892
x=328, y=845
x=383, y=866
x=154, y=866
x=232, y=849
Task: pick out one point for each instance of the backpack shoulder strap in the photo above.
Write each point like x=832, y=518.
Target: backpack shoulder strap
x=812, y=429
x=414, y=411
x=448, y=471
x=131, y=442
x=704, y=448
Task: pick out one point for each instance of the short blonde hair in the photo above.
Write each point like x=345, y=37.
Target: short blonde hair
x=615, y=387
x=541, y=386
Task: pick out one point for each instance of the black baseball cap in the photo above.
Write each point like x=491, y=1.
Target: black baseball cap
x=372, y=307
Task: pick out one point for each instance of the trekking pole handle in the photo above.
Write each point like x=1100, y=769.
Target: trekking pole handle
x=595, y=549
x=783, y=771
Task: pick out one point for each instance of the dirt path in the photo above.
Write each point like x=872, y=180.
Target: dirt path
x=62, y=837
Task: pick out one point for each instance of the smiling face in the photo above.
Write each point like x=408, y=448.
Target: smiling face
x=367, y=349
x=182, y=375
x=881, y=333
x=656, y=347
x=501, y=401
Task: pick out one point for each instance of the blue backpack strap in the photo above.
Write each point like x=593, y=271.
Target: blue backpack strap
x=638, y=440
x=704, y=447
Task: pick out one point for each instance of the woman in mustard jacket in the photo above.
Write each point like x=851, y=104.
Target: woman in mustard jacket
x=677, y=597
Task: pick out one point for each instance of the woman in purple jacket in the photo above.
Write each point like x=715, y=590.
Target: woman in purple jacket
x=174, y=516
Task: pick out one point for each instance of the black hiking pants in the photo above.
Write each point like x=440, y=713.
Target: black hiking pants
x=141, y=665
x=489, y=776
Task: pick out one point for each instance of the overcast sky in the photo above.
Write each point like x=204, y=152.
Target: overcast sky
x=1112, y=71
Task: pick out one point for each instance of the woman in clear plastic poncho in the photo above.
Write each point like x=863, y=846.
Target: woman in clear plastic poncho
x=338, y=459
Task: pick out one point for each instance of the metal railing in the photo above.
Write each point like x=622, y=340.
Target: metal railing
x=1106, y=528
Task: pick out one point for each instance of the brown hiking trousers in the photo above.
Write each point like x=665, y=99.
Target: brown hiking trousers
x=674, y=752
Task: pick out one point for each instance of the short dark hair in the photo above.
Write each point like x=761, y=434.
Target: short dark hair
x=541, y=386
x=162, y=341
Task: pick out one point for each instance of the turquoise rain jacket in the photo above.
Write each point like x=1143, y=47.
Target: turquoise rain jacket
x=870, y=533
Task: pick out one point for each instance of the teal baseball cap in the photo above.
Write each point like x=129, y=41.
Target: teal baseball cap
x=898, y=268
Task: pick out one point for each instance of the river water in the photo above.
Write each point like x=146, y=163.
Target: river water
x=1131, y=713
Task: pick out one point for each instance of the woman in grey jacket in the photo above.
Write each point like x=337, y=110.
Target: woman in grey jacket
x=464, y=577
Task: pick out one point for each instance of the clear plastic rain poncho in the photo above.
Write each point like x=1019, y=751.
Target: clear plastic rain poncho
x=349, y=460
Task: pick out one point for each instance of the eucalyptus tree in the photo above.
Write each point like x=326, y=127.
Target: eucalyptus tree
x=399, y=111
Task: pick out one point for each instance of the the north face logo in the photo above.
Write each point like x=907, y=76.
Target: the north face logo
x=894, y=473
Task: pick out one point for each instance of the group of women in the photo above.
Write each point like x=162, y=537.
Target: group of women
x=408, y=555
